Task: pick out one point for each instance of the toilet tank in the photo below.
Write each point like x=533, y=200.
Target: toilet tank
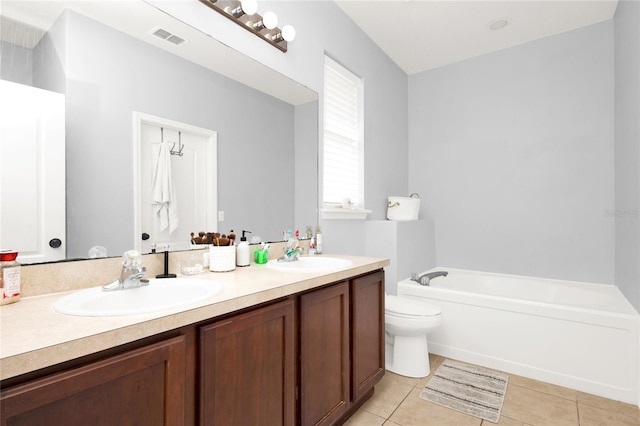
x=403, y=208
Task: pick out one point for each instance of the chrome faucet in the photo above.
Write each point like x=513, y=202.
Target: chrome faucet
x=292, y=251
x=131, y=274
x=424, y=279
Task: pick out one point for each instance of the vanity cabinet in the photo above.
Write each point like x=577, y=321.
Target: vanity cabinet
x=247, y=368
x=324, y=354
x=144, y=386
x=341, y=348
x=367, y=334
x=311, y=358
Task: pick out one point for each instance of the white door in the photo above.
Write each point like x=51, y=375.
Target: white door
x=32, y=172
x=193, y=175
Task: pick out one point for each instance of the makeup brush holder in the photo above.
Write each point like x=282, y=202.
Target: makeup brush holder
x=222, y=258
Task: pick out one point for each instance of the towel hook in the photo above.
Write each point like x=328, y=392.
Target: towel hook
x=180, y=146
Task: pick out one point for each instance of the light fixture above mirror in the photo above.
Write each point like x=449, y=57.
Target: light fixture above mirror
x=244, y=13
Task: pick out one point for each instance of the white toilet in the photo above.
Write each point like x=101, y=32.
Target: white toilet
x=407, y=323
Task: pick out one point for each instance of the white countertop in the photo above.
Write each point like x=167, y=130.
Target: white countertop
x=34, y=336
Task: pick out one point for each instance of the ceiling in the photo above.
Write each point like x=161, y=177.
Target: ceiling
x=419, y=35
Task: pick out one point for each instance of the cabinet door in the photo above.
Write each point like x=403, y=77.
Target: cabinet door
x=324, y=354
x=247, y=368
x=141, y=387
x=367, y=333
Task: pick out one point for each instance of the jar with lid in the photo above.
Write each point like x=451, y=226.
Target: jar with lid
x=9, y=277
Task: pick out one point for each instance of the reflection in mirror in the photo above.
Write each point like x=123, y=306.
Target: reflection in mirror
x=104, y=57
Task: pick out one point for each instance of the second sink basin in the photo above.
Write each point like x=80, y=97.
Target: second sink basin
x=160, y=294
x=311, y=264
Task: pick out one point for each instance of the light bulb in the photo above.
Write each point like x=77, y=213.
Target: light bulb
x=270, y=20
x=288, y=33
x=249, y=7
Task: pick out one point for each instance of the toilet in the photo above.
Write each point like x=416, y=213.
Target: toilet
x=407, y=323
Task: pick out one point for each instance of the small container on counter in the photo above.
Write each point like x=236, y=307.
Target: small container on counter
x=262, y=255
x=9, y=277
x=222, y=258
x=192, y=264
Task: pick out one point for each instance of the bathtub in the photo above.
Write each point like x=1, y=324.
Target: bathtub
x=578, y=335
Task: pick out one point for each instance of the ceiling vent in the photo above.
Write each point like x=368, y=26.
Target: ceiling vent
x=167, y=36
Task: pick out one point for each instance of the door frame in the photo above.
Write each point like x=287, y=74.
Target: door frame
x=211, y=192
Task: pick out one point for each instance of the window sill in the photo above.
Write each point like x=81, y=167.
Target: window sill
x=331, y=213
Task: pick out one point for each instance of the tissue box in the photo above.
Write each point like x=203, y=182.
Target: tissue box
x=403, y=208
x=222, y=258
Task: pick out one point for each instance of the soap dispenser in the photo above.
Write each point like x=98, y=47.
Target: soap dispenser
x=242, y=251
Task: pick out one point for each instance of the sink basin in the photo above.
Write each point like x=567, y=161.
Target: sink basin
x=160, y=294
x=311, y=264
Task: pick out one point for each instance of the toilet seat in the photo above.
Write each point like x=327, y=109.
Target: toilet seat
x=409, y=308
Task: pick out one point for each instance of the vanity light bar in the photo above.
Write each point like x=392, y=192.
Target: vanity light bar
x=232, y=9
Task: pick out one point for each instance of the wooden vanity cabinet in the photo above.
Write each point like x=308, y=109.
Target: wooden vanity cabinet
x=309, y=359
x=247, y=368
x=324, y=354
x=367, y=334
x=144, y=386
x=341, y=348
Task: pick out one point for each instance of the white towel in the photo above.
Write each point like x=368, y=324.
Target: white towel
x=164, y=197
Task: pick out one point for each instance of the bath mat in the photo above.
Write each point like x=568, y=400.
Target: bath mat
x=467, y=388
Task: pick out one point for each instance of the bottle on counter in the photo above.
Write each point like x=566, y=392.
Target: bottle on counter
x=242, y=251
x=318, y=240
x=9, y=277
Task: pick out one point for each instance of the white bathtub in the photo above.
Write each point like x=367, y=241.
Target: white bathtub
x=578, y=335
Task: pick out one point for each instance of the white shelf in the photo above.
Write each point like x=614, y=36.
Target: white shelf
x=340, y=213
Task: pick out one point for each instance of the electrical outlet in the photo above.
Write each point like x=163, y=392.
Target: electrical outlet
x=220, y=216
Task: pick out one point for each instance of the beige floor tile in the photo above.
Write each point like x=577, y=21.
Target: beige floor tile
x=628, y=410
x=594, y=416
x=536, y=385
x=417, y=412
x=538, y=408
x=388, y=394
x=364, y=418
x=412, y=381
x=390, y=423
x=503, y=421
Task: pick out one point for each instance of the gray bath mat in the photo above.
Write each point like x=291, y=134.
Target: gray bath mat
x=472, y=390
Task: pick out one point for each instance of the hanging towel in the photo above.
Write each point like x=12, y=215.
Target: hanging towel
x=164, y=197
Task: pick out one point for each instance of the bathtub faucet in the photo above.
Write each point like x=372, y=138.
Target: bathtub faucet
x=424, y=279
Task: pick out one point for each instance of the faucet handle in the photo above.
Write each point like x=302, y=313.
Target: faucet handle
x=131, y=259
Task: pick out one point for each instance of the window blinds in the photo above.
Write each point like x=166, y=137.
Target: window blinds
x=342, y=148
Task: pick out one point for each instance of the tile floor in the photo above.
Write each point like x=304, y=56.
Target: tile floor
x=527, y=403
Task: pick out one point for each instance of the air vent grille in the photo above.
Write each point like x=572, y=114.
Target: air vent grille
x=168, y=36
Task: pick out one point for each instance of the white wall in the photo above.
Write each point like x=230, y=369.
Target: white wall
x=512, y=154
x=322, y=27
x=627, y=149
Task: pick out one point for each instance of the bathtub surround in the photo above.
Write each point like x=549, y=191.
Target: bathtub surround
x=579, y=335
x=627, y=149
x=512, y=154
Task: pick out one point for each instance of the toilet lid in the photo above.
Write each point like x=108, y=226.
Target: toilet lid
x=404, y=306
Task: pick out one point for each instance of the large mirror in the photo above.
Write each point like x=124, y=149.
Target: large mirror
x=111, y=61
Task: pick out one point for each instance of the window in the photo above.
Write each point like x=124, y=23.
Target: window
x=342, y=174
